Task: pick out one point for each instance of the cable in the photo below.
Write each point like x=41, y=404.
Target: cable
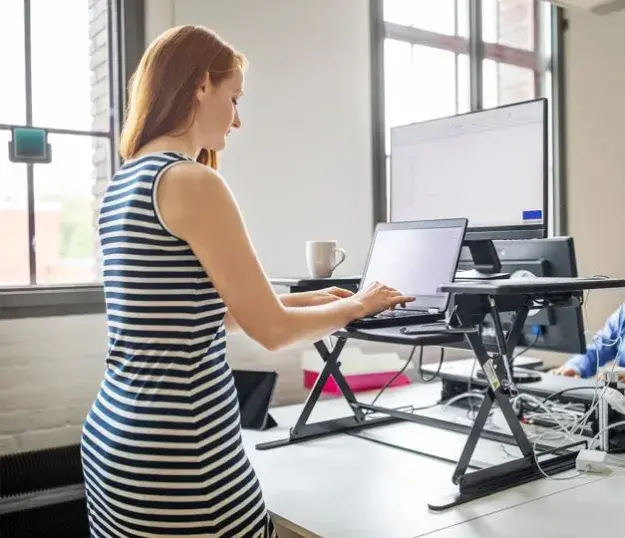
x=465, y=395
x=581, y=423
x=526, y=349
x=392, y=379
x=408, y=361
x=614, y=425
x=561, y=392
x=438, y=370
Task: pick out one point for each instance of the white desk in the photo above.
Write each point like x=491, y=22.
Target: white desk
x=343, y=486
x=594, y=509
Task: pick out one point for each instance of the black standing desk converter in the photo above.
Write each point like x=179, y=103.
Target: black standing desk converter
x=473, y=300
x=363, y=415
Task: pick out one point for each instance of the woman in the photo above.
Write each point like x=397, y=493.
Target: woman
x=161, y=446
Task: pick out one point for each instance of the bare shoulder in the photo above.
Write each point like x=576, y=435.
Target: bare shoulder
x=190, y=178
x=192, y=195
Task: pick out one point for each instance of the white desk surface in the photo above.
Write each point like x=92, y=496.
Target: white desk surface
x=343, y=486
x=594, y=509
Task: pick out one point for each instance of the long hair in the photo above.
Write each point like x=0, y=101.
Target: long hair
x=162, y=89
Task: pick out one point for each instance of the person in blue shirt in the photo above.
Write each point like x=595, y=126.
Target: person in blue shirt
x=604, y=346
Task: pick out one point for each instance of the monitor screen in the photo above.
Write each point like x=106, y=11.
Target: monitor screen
x=487, y=166
x=416, y=261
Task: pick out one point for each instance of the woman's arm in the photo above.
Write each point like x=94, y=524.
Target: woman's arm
x=299, y=299
x=197, y=206
x=287, y=299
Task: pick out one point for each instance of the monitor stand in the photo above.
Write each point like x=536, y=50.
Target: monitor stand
x=518, y=377
x=474, y=274
x=485, y=260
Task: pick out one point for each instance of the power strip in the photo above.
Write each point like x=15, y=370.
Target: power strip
x=592, y=461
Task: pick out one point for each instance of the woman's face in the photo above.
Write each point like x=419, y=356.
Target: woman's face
x=217, y=110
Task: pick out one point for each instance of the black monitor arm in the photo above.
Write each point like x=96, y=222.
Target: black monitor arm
x=485, y=260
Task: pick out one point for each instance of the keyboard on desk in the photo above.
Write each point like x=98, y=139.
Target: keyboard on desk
x=395, y=318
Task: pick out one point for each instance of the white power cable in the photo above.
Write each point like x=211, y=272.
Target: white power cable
x=582, y=422
x=463, y=396
x=570, y=422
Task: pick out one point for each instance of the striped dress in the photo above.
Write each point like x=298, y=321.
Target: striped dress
x=161, y=445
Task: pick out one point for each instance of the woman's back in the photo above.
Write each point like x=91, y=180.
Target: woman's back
x=159, y=299
x=161, y=445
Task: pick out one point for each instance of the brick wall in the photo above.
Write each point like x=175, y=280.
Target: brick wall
x=50, y=369
x=514, y=20
x=101, y=103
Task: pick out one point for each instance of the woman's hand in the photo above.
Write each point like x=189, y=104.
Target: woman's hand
x=316, y=297
x=377, y=297
x=328, y=295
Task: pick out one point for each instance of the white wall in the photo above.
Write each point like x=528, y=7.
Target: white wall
x=301, y=165
x=595, y=115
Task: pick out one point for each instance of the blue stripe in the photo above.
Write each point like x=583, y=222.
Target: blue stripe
x=532, y=215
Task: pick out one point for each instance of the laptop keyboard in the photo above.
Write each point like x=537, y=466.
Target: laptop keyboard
x=394, y=318
x=398, y=313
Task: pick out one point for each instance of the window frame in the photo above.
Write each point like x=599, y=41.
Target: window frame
x=126, y=45
x=477, y=50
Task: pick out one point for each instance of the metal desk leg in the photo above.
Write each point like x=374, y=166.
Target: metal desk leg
x=490, y=480
x=302, y=431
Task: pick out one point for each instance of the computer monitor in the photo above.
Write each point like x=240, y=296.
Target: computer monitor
x=490, y=166
x=558, y=329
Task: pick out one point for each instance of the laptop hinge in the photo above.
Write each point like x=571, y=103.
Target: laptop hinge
x=433, y=311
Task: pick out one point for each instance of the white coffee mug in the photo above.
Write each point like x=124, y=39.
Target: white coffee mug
x=323, y=257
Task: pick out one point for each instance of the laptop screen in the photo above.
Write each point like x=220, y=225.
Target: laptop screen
x=416, y=258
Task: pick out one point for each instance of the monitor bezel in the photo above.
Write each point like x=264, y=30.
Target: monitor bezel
x=503, y=232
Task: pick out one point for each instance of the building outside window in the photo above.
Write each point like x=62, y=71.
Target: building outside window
x=57, y=76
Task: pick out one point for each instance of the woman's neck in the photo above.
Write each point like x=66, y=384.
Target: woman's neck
x=170, y=143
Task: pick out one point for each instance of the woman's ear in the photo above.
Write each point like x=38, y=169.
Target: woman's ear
x=204, y=86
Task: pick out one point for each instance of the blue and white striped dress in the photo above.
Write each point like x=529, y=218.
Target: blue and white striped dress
x=161, y=446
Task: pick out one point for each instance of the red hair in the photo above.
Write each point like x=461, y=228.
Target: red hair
x=162, y=89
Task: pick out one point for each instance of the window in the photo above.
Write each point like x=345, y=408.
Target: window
x=435, y=63
x=66, y=83
x=426, y=73
x=63, y=85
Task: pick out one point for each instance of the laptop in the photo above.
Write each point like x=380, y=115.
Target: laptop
x=415, y=257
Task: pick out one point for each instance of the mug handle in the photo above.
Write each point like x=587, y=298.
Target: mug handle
x=343, y=256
